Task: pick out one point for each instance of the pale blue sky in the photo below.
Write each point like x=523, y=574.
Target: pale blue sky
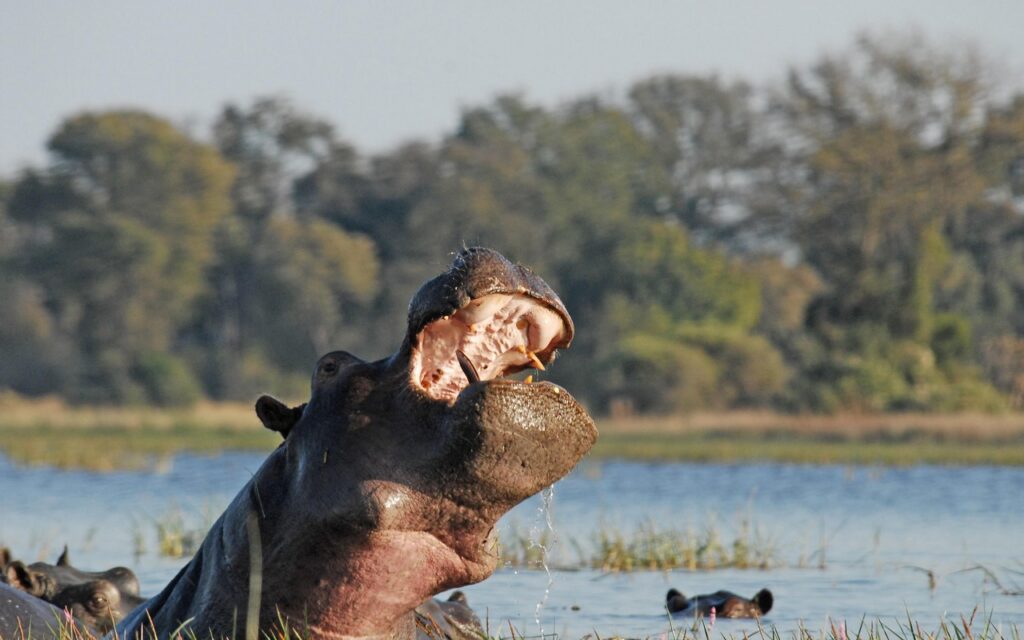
x=386, y=71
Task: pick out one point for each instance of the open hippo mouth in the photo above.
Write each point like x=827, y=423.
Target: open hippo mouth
x=491, y=337
x=484, y=319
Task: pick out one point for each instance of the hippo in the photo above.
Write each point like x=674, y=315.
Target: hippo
x=98, y=604
x=23, y=616
x=435, y=619
x=96, y=599
x=726, y=604
x=388, y=483
x=46, y=580
x=451, y=618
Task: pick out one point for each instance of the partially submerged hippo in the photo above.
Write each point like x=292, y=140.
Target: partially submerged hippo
x=44, y=580
x=99, y=604
x=726, y=603
x=451, y=618
x=389, y=482
x=97, y=599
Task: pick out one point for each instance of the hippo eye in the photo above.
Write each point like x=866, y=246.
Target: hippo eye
x=333, y=363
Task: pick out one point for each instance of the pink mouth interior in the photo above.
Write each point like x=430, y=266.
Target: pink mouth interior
x=499, y=333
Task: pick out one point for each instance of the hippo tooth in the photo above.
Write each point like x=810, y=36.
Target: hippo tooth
x=467, y=367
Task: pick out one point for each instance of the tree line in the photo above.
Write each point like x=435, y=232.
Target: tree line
x=851, y=238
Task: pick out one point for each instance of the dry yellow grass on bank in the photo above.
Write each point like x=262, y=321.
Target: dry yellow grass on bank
x=51, y=432
x=963, y=427
x=48, y=431
x=17, y=412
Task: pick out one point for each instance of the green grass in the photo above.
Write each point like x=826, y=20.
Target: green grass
x=119, y=447
x=799, y=448
x=47, y=431
x=963, y=627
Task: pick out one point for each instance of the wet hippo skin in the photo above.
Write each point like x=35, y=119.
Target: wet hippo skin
x=389, y=481
x=26, y=616
x=451, y=618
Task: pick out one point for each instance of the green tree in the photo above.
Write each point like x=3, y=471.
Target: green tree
x=121, y=230
x=292, y=279
x=883, y=181
x=312, y=275
x=706, y=136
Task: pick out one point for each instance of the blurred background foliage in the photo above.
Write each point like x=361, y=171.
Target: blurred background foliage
x=851, y=238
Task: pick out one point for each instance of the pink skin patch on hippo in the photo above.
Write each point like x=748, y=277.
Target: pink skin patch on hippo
x=398, y=568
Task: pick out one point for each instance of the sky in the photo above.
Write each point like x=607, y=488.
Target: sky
x=384, y=72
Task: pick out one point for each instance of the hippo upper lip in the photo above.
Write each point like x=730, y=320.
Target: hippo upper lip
x=489, y=337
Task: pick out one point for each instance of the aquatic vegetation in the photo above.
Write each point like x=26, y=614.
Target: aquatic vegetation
x=645, y=548
x=653, y=549
x=174, y=538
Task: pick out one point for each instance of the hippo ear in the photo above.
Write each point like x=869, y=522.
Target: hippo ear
x=675, y=601
x=19, y=577
x=62, y=561
x=459, y=597
x=276, y=416
x=764, y=600
x=5, y=557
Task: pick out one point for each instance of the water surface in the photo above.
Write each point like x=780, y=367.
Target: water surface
x=873, y=530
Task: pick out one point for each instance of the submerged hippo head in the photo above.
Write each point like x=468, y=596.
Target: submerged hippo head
x=391, y=478
x=45, y=580
x=96, y=603
x=98, y=599
x=725, y=604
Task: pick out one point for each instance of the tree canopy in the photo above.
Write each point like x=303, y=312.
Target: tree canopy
x=850, y=239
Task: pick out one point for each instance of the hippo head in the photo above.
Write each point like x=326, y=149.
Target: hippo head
x=45, y=580
x=391, y=478
x=97, y=603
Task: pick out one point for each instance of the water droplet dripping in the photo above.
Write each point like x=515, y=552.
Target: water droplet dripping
x=542, y=536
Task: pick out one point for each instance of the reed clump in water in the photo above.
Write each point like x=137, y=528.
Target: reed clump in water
x=645, y=548
x=176, y=538
x=649, y=548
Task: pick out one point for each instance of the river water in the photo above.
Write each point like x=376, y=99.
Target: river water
x=855, y=542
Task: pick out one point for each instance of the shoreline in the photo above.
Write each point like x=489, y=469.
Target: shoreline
x=49, y=432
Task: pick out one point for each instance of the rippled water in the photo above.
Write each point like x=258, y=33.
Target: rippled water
x=877, y=528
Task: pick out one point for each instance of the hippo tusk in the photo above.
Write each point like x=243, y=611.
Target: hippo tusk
x=531, y=356
x=467, y=367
